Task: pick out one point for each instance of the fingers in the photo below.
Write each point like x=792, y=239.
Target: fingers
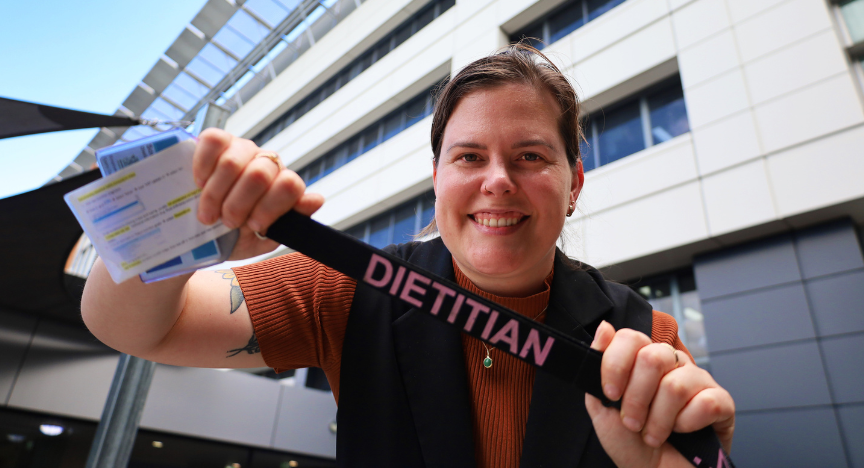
x=284, y=192
x=211, y=143
x=652, y=363
x=257, y=177
x=675, y=390
x=711, y=406
x=230, y=165
x=309, y=203
x=619, y=359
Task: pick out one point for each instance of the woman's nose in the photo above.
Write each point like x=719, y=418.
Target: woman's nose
x=499, y=180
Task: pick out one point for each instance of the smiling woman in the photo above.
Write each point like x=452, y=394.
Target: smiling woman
x=411, y=391
x=504, y=159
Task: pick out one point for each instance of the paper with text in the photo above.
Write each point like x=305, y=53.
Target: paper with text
x=145, y=214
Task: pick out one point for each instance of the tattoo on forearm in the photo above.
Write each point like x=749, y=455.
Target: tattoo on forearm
x=250, y=348
x=236, y=292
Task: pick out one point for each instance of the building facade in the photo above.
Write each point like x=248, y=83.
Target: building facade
x=723, y=158
x=724, y=155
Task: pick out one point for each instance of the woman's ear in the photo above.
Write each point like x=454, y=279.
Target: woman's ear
x=578, y=180
x=435, y=178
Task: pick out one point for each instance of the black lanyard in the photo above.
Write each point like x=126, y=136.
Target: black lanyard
x=511, y=332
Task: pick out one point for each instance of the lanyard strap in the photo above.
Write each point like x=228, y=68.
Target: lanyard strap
x=511, y=332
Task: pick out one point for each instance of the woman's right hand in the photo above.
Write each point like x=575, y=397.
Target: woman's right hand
x=246, y=191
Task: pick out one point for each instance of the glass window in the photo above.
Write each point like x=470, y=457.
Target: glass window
x=853, y=13
x=180, y=96
x=166, y=109
x=415, y=111
x=428, y=212
x=565, y=21
x=620, y=133
x=534, y=36
x=393, y=125
x=382, y=49
x=561, y=22
x=425, y=18
x=366, y=61
x=272, y=12
x=396, y=37
x=668, y=114
x=370, y=137
x=329, y=164
x=598, y=7
x=218, y=59
x=445, y=5
x=232, y=40
x=401, y=35
x=379, y=234
x=587, y=151
x=357, y=231
x=398, y=225
x=676, y=295
x=205, y=71
x=329, y=88
x=353, y=149
x=315, y=171
x=191, y=85
x=403, y=227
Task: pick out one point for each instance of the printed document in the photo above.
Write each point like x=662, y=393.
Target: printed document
x=145, y=214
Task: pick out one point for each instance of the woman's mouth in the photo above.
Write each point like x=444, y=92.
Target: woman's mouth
x=498, y=220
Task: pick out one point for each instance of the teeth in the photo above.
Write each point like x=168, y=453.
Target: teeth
x=498, y=222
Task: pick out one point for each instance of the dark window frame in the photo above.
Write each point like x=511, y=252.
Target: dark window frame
x=594, y=123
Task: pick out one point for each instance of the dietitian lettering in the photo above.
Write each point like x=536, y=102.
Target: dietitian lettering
x=418, y=290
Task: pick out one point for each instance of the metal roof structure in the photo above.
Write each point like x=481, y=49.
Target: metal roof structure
x=228, y=52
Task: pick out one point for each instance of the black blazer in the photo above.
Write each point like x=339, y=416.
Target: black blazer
x=404, y=399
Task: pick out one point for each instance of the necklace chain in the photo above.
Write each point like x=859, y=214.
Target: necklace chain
x=487, y=361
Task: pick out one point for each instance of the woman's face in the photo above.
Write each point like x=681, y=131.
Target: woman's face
x=503, y=186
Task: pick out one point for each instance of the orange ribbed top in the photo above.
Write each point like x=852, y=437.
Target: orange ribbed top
x=299, y=310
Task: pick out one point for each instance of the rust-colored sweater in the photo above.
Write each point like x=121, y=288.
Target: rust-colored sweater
x=299, y=310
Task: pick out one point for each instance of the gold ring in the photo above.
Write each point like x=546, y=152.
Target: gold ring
x=674, y=353
x=273, y=157
x=262, y=237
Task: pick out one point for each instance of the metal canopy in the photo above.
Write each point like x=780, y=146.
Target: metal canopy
x=229, y=52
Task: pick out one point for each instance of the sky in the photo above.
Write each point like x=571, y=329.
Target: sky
x=80, y=55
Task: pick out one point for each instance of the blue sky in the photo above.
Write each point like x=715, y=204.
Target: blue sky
x=81, y=55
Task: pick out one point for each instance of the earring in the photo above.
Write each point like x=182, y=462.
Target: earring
x=571, y=209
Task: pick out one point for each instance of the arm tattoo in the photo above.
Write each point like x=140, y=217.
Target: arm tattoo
x=236, y=292
x=250, y=348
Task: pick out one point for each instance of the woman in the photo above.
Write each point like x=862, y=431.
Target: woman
x=412, y=391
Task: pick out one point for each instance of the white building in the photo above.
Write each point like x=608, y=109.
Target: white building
x=726, y=157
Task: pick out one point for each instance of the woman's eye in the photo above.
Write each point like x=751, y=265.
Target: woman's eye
x=531, y=157
x=470, y=157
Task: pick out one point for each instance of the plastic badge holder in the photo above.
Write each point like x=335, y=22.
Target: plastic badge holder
x=116, y=157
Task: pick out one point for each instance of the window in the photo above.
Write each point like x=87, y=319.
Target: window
x=853, y=13
x=564, y=20
x=676, y=294
x=398, y=225
x=649, y=118
x=350, y=71
x=370, y=137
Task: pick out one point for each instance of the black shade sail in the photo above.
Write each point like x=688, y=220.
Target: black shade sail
x=37, y=232
x=18, y=118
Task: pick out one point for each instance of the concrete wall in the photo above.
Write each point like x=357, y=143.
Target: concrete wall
x=785, y=324
x=63, y=370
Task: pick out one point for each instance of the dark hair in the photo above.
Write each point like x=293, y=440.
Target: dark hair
x=517, y=63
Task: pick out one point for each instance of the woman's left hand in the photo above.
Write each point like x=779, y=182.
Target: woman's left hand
x=658, y=397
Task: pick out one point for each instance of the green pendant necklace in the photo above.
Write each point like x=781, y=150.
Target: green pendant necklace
x=487, y=361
